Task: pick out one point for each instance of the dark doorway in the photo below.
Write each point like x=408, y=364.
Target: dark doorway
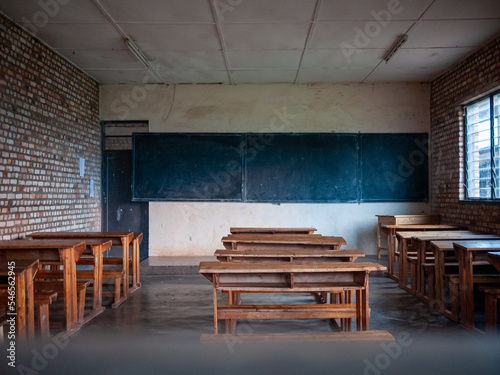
x=120, y=214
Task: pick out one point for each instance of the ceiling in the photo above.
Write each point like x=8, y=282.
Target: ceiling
x=260, y=41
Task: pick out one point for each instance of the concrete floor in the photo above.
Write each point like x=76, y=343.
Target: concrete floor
x=157, y=331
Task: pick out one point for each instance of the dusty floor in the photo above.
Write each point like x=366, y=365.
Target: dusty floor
x=157, y=331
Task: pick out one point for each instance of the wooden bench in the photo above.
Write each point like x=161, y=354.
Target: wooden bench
x=115, y=275
x=236, y=277
x=282, y=242
x=42, y=301
x=354, y=336
x=47, y=286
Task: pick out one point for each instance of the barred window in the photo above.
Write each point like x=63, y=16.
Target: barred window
x=482, y=151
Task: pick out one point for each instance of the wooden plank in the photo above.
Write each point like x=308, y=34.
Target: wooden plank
x=354, y=336
x=221, y=267
x=238, y=230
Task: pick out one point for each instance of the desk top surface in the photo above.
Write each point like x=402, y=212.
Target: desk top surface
x=442, y=234
x=314, y=239
x=271, y=267
x=290, y=253
x=81, y=234
x=236, y=230
x=40, y=244
x=483, y=245
x=20, y=265
x=421, y=226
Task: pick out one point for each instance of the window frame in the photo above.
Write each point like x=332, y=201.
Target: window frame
x=493, y=198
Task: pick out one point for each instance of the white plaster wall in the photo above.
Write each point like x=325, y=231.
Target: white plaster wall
x=178, y=228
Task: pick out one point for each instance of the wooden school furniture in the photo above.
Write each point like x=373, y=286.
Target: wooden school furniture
x=466, y=252
x=401, y=219
x=92, y=256
x=444, y=258
x=123, y=239
x=391, y=229
x=255, y=230
x=406, y=240
x=24, y=309
x=281, y=241
x=67, y=252
x=491, y=296
x=420, y=242
x=354, y=336
x=236, y=277
x=296, y=256
x=136, y=267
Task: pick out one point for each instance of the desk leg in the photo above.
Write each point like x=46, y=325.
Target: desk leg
x=126, y=280
x=440, y=303
x=21, y=321
x=378, y=240
x=466, y=288
x=97, y=292
x=70, y=294
x=216, y=328
x=403, y=264
x=30, y=295
x=390, y=253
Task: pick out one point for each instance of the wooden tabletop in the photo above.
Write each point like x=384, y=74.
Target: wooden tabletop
x=83, y=235
x=421, y=226
x=309, y=239
x=20, y=264
x=482, y=245
x=237, y=230
x=289, y=253
x=494, y=259
x=446, y=234
x=271, y=267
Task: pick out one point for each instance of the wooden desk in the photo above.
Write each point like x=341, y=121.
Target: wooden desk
x=296, y=256
x=466, y=251
x=442, y=250
x=494, y=259
x=289, y=278
x=421, y=240
x=136, y=268
x=281, y=242
x=402, y=219
x=123, y=239
x=66, y=252
x=391, y=229
x=405, y=240
x=24, y=311
x=239, y=230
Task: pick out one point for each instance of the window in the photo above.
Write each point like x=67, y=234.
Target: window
x=482, y=148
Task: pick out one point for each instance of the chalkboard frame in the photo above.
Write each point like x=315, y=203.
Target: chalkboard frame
x=248, y=141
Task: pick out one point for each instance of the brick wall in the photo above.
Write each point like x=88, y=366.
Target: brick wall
x=49, y=119
x=478, y=75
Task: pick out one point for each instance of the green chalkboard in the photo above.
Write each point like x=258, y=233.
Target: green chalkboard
x=279, y=167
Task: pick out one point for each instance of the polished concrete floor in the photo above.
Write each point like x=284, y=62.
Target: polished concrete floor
x=157, y=331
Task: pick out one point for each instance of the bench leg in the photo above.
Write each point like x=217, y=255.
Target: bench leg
x=43, y=320
x=117, y=293
x=231, y=323
x=81, y=304
x=491, y=314
x=453, y=286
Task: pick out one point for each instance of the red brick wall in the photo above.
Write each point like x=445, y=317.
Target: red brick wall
x=478, y=75
x=49, y=118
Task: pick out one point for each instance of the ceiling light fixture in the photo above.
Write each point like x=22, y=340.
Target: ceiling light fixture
x=143, y=59
x=395, y=49
x=138, y=53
